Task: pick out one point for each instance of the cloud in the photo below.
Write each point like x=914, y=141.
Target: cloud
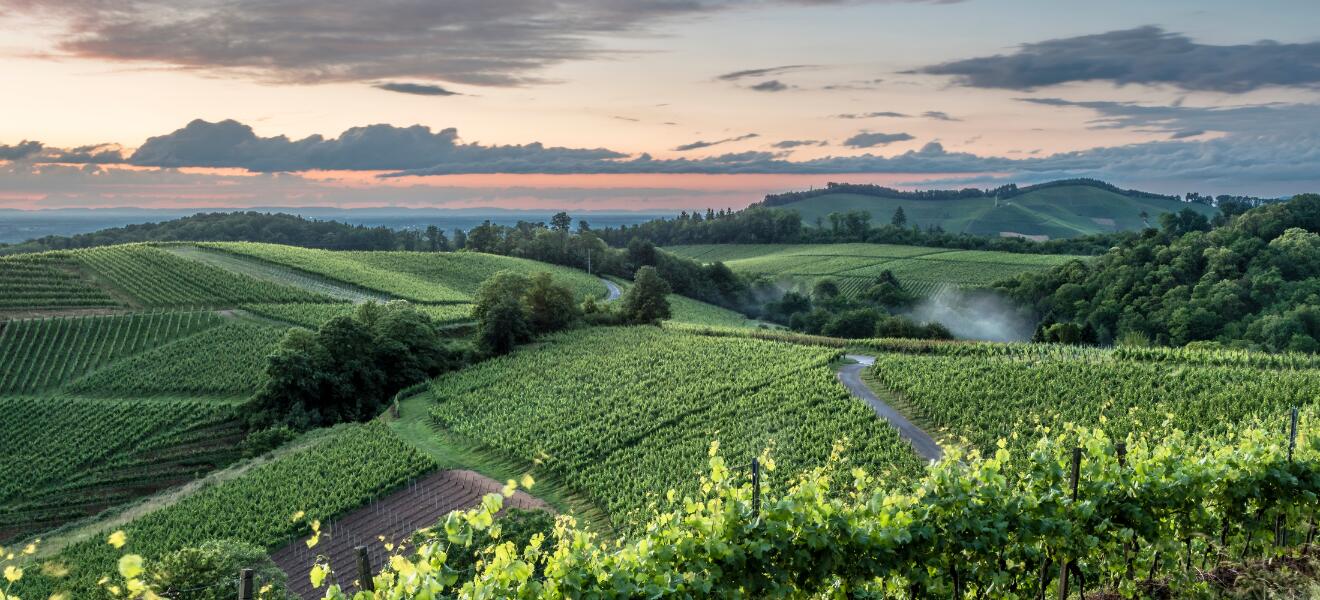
x=938, y=115
x=1187, y=133
x=855, y=86
x=20, y=150
x=96, y=154
x=871, y=115
x=788, y=144
x=756, y=73
x=623, y=118
x=374, y=147
x=773, y=85
x=697, y=145
x=867, y=139
x=1247, y=120
x=476, y=42
x=1145, y=55
x=420, y=89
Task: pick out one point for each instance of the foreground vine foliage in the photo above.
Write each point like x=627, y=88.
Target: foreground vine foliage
x=1149, y=517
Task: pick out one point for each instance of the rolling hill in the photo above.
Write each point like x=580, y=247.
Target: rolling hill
x=1055, y=210
x=922, y=271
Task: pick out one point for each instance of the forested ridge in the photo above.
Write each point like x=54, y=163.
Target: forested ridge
x=1253, y=282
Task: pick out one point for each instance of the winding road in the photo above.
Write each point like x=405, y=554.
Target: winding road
x=851, y=377
x=614, y=291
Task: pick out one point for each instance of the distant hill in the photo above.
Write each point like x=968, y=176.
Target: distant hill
x=1059, y=209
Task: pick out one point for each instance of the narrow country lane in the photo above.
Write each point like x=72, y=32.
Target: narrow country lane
x=851, y=377
x=614, y=291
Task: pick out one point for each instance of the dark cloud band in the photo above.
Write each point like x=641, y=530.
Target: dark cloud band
x=1146, y=55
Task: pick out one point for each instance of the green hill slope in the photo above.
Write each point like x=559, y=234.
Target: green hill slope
x=922, y=271
x=1055, y=211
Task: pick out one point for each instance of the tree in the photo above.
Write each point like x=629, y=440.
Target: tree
x=899, y=219
x=561, y=222
x=583, y=226
x=824, y=291
x=645, y=302
x=503, y=325
x=859, y=323
x=502, y=320
x=550, y=306
x=460, y=239
x=350, y=367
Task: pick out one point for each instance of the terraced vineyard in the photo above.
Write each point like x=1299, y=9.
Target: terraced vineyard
x=274, y=273
x=986, y=392
x=332, y=475
x=40, y=354
x=427, y=277
x=625, y=414
x=158, y=278
x=48, y=281
x=922, y=271
x=223, y=360
x=125, y=448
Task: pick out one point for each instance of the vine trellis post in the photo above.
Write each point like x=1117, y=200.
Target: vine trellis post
x=1067, y=563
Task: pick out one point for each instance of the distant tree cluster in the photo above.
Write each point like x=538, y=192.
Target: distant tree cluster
x=585, y=249
x=761, y=225
x=512, y=308
x=1003, y=192
x=1253, y=282
x=827, y=311
x=250, y=226
x=351, y=366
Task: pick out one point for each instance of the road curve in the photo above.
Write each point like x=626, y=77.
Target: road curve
x=851, y=377
x=614, y=291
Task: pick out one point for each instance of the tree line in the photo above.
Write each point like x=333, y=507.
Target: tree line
x=762, y=225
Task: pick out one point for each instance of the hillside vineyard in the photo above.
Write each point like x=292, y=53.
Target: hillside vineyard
x=706, y=453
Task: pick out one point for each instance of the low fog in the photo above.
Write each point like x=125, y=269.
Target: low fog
x=974, y=315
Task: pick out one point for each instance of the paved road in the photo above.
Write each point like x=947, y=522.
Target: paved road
x=851, y=377
x=615, y=292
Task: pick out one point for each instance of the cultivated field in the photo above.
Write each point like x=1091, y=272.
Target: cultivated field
x=923, y=271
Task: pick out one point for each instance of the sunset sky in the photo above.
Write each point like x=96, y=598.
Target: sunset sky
x=644, y=105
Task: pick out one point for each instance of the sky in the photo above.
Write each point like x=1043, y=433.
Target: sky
x=646, y=104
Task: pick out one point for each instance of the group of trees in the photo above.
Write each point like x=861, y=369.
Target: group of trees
x=1253, y=282
x=250, y=226
x=586, y=249
x=351, y=366
x=512, y=308
x=873, y=313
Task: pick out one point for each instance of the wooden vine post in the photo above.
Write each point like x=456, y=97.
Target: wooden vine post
x=756, y=488
x=1065, y=563
x=245, y=584
x=365, y=582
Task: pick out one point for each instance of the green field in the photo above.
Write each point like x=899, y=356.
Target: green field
x=38, y=354
x=985, y=392
x=625, y=414
x=336, y=472
x=1055, y=212
x=120, y=414
x=923, y=271
x=50, y=280
x=79, y=456
x=224, y=360
x=427, y=277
